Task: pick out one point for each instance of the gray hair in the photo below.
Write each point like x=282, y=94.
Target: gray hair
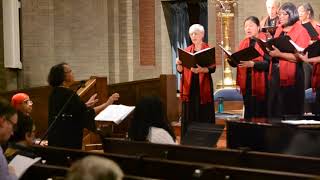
x=307, y=7
x=275, y=2
x=95, y=168
x=196, y=27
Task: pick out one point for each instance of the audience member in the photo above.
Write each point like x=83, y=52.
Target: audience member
x=95, y=168
x=24, y=134
x=150, y=123
x=8, y=121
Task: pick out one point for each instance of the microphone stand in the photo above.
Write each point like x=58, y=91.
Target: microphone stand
x=60, y=112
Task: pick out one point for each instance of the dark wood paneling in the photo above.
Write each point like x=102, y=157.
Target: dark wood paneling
x=39, y=96
x=130, y=94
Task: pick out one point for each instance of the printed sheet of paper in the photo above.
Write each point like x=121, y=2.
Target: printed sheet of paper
x=114, y=113
x=22, y=163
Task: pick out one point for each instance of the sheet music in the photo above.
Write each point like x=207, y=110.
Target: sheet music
x=301, y=122
x=225, y=50
x=114, y=113
x=22, y=163
x=299, y=49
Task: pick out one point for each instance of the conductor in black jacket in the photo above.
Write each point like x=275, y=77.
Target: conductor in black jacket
x=67, y=130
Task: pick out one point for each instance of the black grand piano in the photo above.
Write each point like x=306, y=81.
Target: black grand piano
x=274, y=136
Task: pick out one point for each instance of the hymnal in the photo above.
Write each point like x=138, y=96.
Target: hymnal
x=312, y=32
x=313, y=49
x=283, y=43
x=114, y=113
x=269, y=29
x=22, y=163
x=246, y=54
x=203, y=58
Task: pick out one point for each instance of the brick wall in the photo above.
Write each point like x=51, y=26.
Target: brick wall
x=101, y=37
x=2, y=70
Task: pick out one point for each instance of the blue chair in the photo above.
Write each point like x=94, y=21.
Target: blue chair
x=235, y=102
x=309, y=101
x=310, y=97
x=228, y=94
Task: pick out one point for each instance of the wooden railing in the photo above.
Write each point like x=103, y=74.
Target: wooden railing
x=130, y=92
x=161, y=168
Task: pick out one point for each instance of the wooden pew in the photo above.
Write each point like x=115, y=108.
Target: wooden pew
x=142, y=166
x=227, y=157
x=163, y=87
x=43, y=171
x=130, y=93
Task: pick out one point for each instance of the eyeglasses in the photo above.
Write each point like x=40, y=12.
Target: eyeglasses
x=68, y=71
x=14, y=125
x=283, y=14
x=28, y=102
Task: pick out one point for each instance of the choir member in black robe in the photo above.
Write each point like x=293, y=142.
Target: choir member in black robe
x=196, y=91
x=252, y=75
x=286, y=95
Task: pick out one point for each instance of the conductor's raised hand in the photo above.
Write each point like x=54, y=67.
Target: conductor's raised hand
x=92, y=101
x=114, y=97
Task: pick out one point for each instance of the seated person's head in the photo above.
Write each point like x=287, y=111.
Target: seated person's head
x=60, y=74
x=149, y=112
x=8, y=120
x=24, y=132
x=22, y=103
x=95, y=168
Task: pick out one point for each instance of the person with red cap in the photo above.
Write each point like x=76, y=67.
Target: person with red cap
x=21, y=102
x=24, y=132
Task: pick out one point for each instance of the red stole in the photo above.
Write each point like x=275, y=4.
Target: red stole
x=316, y=26
x=288, y=69
x=258, y=77
x=315, y=81
x=204, y=81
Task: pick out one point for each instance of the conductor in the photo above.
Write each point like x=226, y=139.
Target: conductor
x=76, y=115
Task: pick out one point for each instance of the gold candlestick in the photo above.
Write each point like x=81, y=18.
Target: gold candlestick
x=226, y=14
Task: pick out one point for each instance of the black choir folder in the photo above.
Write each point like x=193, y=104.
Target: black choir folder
x=203, y=58
x=114, y=113
x=241, y=55
x=269, y=29
x=285, y=44
x=312, y=32
x=313, y=49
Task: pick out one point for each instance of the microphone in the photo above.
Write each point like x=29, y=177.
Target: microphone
x=60, y=113
x=81, y=84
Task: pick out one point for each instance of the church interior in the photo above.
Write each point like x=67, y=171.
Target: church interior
x=130, y=48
